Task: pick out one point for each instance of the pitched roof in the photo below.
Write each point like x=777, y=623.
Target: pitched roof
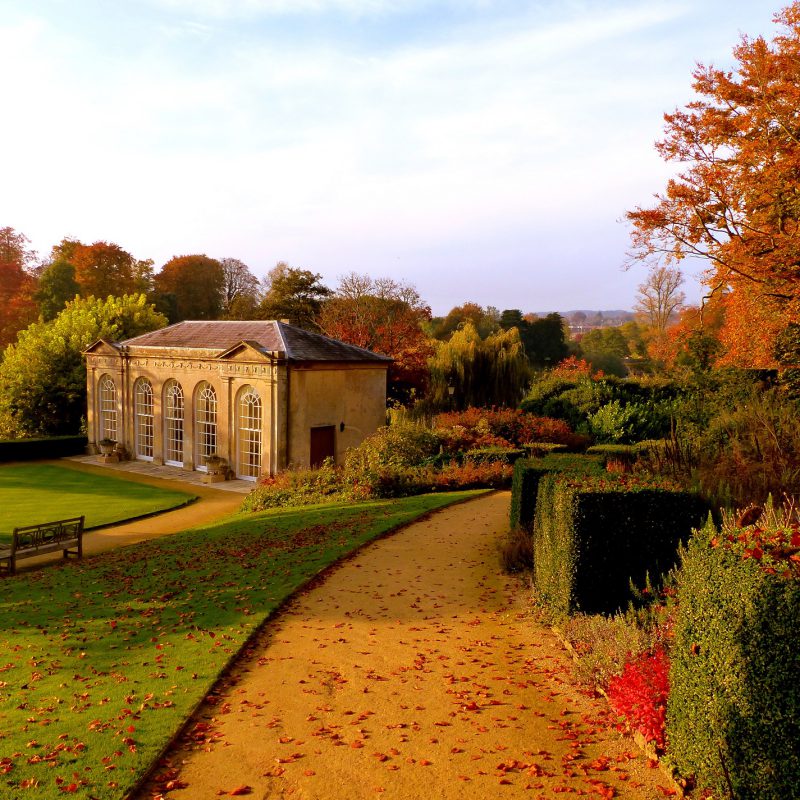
x=265, y=335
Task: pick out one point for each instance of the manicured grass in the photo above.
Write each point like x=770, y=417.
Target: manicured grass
x=34, y=493
x=101, y=661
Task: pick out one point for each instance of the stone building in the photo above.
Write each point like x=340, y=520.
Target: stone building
x=261, y=394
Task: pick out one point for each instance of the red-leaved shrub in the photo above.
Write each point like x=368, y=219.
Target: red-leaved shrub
x=640, y=694
x=503, y=427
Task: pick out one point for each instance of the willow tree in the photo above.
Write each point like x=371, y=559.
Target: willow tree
x=481, y=372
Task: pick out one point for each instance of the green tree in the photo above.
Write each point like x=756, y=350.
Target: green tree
x=57, y=286
x=197, y=282
x=293, y=294
x=482, y=372
x=543, y=338
x=486, y=321
x=546, y=341
x=43, y=375
x=605, y=349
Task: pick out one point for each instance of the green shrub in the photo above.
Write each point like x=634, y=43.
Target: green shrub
x=733, y=716
x=36, y=449
x=603, y=645
x=528, y=473
x=296, y=487
x=594, y=535
x=392, y=447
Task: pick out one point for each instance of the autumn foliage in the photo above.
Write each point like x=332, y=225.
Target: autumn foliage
x=17, y=306
x=737, y=203
x=384, y=316
x=640, y=694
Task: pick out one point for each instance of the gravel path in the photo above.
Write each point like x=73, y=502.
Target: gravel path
x=412, y=670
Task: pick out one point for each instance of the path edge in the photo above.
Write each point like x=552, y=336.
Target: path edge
x=319, y=575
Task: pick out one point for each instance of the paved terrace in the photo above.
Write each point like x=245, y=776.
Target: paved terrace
x=149, y=470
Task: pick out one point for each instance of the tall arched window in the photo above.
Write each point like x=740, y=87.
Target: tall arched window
x=143, y=418
x=173, y=424
x=108, y=408
x=205, y=418
x=248, y=425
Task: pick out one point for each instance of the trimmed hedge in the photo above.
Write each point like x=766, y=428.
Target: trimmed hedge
x=620, y=452
x=38, y=449
x=528, y=473
x=593, y=536
x=540, y=449
x=733, y=715
x=508, y=455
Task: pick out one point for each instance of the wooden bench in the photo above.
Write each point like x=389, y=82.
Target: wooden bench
x=33, y=540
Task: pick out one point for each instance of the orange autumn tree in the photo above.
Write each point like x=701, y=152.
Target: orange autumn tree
x=736, y=203
x=384, y=316
x=104, y=269
x=17, y=285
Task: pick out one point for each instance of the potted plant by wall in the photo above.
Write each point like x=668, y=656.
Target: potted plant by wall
x=214, y=462
x=107, y=446
x=216, y=468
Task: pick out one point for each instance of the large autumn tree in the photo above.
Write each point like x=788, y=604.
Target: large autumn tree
x=193, y=286
x=736, y=202
x=17, y=284
x=102, y=269
x=384, y=316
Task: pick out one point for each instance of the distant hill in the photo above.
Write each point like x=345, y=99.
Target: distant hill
x=593, y=318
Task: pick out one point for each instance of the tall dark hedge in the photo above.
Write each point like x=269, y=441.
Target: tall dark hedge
x=36, y=449
x=593, y=536
x=733, y=716
x=528, y=473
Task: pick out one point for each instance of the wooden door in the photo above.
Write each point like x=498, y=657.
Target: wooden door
x=323, y=444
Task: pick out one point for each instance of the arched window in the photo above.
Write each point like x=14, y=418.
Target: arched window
x=108, y=408
x=173, y=424
x=248, y=426
x=143, y=418
x=205, y=418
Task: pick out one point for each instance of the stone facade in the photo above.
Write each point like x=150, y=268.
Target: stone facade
x=261, y=395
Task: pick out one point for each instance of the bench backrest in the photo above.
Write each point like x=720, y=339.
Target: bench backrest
x=32, y=536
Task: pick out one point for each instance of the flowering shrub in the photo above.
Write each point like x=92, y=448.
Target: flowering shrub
x=480, y=427
x=469, y=475
x=573, y=368
x=302, y=487
x=640, y=694
x=772, y=539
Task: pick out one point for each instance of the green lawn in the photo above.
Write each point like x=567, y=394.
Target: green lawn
x=102, y=660
x=34, y=493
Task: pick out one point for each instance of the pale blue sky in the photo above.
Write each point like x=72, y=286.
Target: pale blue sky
x=482, y=150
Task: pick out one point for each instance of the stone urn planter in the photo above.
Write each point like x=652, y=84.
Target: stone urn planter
x=216, y=469
x=108, y=454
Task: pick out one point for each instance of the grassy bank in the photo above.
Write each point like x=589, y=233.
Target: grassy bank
x=101, y=661
x=35, y=493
